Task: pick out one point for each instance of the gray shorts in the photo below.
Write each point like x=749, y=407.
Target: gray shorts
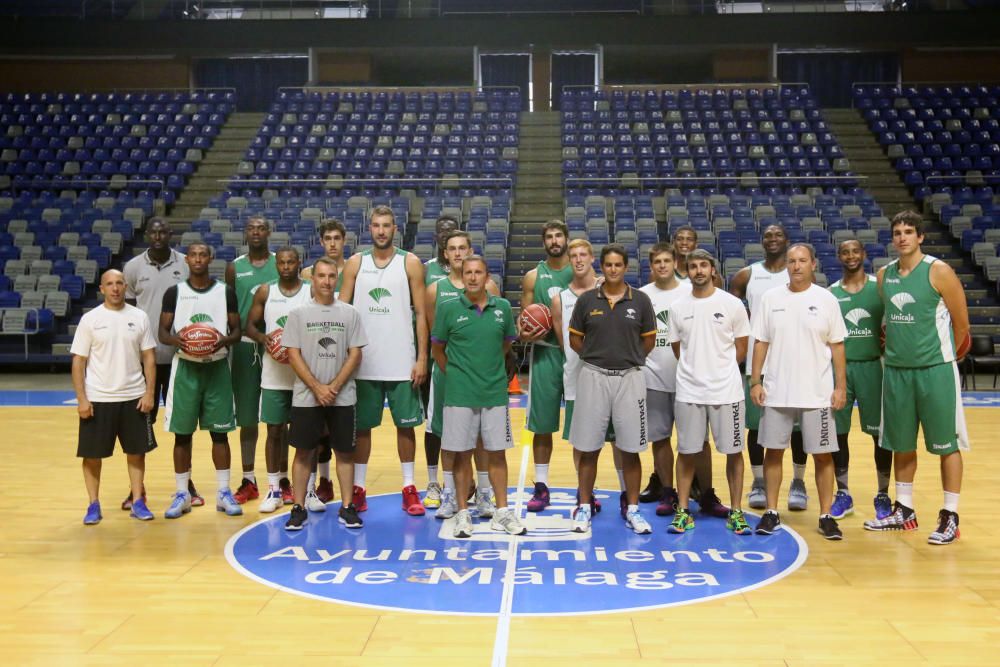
x=727, y=422
x=819, y=431
x=463, y=426
x=659, y=414
x=602, y=396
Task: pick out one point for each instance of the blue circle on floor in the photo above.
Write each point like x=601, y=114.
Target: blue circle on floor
x=415, y=564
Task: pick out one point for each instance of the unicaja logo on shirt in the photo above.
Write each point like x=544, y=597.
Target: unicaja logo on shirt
x=854, y=317
x=282, y=320
x=377, y=294
x=327, y=343
x=198, y=318
x=664, y=316
x=900, y=300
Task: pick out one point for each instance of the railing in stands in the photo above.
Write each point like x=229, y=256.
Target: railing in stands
x=26, y=332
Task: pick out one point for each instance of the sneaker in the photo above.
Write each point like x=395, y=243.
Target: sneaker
x=247, y=491
x=540, y=498
x=140, y=511
x=710, y=504
x=682, y=522
x=225, y=502
x=595, y=504
x=197, y=500
x=947, y=529
x=668, y=502
x=287, y=496
x=359, y=498
x=349, y=517
x=902, y=518
x=411, y=501
x=883, y=505
x=769, y=524
x=737, y=523
x=93, y=515
x=463, y=524
x=757, y=498
x=432, y=498
x=653, y=490
x=297, y=518
x=581, y=519
x=449, y=506
x=272, y=501
x=637, y=523
x=505, y=521
x=829, y=529
x=180, y=505
x=313, y=503
x=324, y=490
x=484, y=503
x=843, y=505
x=798, y=499
x=127, y=503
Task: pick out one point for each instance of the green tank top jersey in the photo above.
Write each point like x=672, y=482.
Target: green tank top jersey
x=548, y=283
x=248, y=278
x=446, y=291
x=434, y=271
x=862, y=313
x=917, y=322
x=340, y=282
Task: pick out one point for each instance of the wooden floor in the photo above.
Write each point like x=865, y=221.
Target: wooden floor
x=162, y=592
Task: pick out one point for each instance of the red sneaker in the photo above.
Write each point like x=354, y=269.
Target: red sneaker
x=196, y=499
x=324, y=490
x=287, y=497
x=247, y=491
x=411, y=501
x=360, y=498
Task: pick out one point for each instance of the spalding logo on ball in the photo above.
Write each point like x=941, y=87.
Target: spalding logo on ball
x=200, y=340
x=274, y=347
x=534, y=319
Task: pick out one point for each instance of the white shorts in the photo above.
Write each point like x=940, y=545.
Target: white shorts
x=819, y=431
x=604, y=396
x=727, y=422
x=659, y=414
x=463, y=426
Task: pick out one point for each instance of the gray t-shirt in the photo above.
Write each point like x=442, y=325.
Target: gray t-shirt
x=323, y=335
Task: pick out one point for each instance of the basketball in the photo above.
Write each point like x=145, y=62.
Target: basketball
x=535, y=318
x=275, y=349
x=200, y=340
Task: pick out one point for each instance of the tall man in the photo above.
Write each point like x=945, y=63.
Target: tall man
x=201, y=387
x=438, y=267
x=708, y=333
x=613, y=329
x=245, y=274
x=545, y=390
x=926, y=319
x=113, y=348
x=861, y=307
x=386, y=286
x=798, y=328
x=268, y=316
x=324, y=340
x=472, y=335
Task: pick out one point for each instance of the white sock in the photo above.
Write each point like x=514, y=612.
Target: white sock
x=311, y=484
x=904, y=493
x=621, y=478
x=407, y=473
x=541, y=473
x=951, y=501
x=222, y=477
x=799, y=471
x=274, y=481
x=758, y=473
x=182, y=479
x=251, y=475
x=482, y=480
x=449, y=480
x=432, y=474
x=633, y=508
x=323, y=470
x=360, y=471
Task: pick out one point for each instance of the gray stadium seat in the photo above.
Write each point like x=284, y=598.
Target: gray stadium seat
x=58, y=303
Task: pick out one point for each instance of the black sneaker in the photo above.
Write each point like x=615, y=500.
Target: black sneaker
x=653, y=490
x=297, y=518
x=349, y=517
x=769, y=524
x=947, y=530
x=829, y=529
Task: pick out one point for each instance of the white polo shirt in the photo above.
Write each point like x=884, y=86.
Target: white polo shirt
x=113, y=342
x=146, y=281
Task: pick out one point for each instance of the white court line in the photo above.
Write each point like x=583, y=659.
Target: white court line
x=507, y=598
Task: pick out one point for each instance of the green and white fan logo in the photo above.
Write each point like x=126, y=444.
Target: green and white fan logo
x=379, y=293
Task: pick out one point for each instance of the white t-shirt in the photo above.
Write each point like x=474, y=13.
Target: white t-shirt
x=761, y=281
x=661, y=365
x=707, y=329
x=799, y=326
x=146, y=281
x=113, y=342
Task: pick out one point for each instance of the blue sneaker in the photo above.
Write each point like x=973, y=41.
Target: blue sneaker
x=225, y=502
x=180, y=505
x=883, y=506
x=140, y=511
x=843, y=505
x=93, y=515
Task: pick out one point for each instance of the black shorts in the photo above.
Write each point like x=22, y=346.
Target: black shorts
x=120, y=421
x=326, y=424
x=160, y=389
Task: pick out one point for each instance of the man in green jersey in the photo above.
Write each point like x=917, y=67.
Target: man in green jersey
x=861, y=307
x=437, y=268
x=245, y=274
x=925, y=318
x=545, y=389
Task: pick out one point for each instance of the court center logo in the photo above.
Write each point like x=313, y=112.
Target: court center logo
x=415, y=564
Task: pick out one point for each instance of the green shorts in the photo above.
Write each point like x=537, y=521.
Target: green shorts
x=275, y=406
x=864, y=383
x=246, y=367
x=200, y=393
x=435, y=403
x=545, y=389
x=609, y=434
x=404, y=403
x=928, y=397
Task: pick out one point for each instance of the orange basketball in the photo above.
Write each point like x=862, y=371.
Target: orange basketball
x=200, y=339
x=536, y=318
x=275, y=349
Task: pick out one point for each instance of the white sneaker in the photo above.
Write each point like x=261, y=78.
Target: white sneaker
x=271, y=502
x=581, y=519
x=484, y=503
x=637, y=523
x=757, y=498
x=504, y=520
x=313, y=503
x=432, y=498
x=448, y=507
x=463, y=524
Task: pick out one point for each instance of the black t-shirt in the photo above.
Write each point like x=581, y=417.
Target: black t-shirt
x=612, y=337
